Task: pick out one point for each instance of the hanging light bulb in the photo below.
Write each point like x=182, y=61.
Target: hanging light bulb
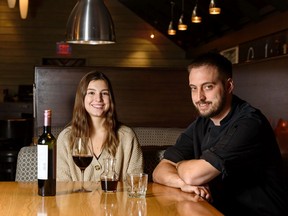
x=23, y=5
x=195, y=18
x=181, y=25
x=171, y=30
x=213, y=8
x=11, y=3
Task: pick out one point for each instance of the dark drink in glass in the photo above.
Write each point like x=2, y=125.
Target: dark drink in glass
x=109, y=185
x=82, y=161
x=109, y=177
x=82, y=155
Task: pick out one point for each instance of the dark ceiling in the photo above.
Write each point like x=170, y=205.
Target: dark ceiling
x=235, y=14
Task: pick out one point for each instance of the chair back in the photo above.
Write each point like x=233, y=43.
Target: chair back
x=26, y=170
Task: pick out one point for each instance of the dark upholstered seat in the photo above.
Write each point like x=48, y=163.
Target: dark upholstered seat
x=152, y=156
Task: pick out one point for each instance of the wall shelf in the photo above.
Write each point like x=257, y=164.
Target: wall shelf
x=264, y=48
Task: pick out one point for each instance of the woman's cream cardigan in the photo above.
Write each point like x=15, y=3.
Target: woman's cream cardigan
x=129, y=158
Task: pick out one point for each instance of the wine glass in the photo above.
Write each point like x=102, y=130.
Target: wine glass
x=82, y=156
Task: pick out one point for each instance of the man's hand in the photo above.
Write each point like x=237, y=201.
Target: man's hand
x=202, y=191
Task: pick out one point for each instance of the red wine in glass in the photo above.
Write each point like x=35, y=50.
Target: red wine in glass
x=109, y=185
x=82, y=161
x=82, y=155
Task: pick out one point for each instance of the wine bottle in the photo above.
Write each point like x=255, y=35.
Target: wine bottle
x=46, y=150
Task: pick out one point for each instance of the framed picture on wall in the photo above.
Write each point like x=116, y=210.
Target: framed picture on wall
x=232, y=54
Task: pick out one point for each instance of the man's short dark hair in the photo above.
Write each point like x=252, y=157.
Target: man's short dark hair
x=223, y=65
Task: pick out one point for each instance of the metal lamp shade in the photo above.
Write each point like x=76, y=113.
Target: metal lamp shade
x=90, y=23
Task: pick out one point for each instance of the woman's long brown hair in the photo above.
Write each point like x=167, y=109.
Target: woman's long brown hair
x=81, y=123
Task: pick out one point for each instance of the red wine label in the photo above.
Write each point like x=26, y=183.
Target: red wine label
x=42, y=159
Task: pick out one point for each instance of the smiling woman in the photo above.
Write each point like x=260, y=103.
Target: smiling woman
x=97, y=99
x=94, y=116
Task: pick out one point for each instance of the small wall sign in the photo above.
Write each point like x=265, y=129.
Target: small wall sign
x=63, y=48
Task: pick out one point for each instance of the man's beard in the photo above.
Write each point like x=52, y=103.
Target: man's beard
x=215, y=110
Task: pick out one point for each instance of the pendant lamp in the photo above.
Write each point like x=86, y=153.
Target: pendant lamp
x=195, y=18
x=171, y=30
x=11, y=3
x=90, y=23
x=23, y=5
x=181, y=25
x=214, y=9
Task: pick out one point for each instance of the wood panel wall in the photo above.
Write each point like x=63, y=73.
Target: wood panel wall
x=144, y=96
x=23, y=43
x=264, y=84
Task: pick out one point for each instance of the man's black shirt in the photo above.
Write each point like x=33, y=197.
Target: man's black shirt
x=244, y=149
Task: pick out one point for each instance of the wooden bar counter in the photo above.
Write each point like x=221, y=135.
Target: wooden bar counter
x=18, y=198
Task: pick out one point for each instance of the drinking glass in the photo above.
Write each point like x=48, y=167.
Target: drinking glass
x=137, y=184
x=82, y=156
x=109, y=177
